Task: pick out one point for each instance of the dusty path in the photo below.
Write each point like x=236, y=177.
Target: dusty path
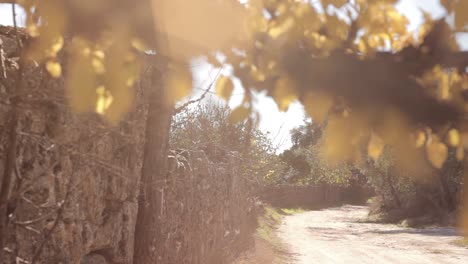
x=336, y=235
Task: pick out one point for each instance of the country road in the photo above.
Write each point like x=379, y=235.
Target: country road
x=338, y=235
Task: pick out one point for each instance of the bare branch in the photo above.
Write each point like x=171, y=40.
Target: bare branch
x=182, y=107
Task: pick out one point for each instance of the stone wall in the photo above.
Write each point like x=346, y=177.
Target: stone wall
x=76, y=182
x=76, y=177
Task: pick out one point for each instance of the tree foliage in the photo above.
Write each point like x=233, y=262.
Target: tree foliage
x=354, y=63
x=307, y=165
x=208, y=127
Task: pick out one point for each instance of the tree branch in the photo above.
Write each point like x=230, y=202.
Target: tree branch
x=182, y=107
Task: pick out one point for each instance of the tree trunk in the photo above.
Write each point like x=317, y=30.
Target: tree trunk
x=154, y=170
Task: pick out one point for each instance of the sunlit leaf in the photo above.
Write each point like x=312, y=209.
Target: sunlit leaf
x=54, y=69
x=33, y=30
x=239, y=114
x=55, y=47
x=420, y=139
x=224, y=87
x=139, y=45
x=179, y=83
x=317, y=105
x=375, y=147
x=461, y=14
x=342, y=135
x=282, y=28
x=437, y=153
x=98, y=66
x=104, y=100
x=453, y=137
x=81, y=83
x=284, y=93
x=199, y=26
x=447, y=4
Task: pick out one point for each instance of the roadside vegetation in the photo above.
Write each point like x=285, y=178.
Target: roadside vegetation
x=401, y=196
x=268, y=245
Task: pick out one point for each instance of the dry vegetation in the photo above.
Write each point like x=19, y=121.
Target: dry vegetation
x=388, y=108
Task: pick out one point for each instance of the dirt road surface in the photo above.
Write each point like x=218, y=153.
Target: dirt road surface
x=339, y=235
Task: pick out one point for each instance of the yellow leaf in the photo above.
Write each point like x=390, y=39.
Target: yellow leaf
x=81, y=83
x=461, y=14
x=257, y=74
x=54, y=69
x=199, y=26
x=447, y=4
x=284, y=27
x=437, y=153
x=239, y=114
x=55, y=47
x=375, y=147
x=337, y=3
x=453, y=137
x=98, y=66
x=104, y=100
x=139, y=45
x=284, y=93
x=317, y=105
x=224, y=87
x=179, y=83
x=420, y=139
x=33, y=30
x=99, y=54
x=342, y=137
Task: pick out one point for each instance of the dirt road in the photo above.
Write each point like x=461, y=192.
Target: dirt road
x=338, y=235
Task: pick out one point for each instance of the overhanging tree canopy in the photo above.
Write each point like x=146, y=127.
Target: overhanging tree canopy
x=352, y=62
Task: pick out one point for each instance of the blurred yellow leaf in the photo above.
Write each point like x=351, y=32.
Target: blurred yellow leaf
x=453, y=137
x=239, y=114
x=420, y=139
x=55, y=47
x=179, y=83
x=257, y=74
x=317, y=105
x=284, y=93
x=81, y=83
x=139, y=45
x=33, y=30
x=437, y=153
x=104, y=100
x=224, y=87
x=99, y=54
x=119, y=103
x=190, y=28
x=282, y=28
x=461, y=14
x=98, y=66
x=337, y=3
x=342, y=135
x=447, y=4
x=54, y=69
x=375, y=147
